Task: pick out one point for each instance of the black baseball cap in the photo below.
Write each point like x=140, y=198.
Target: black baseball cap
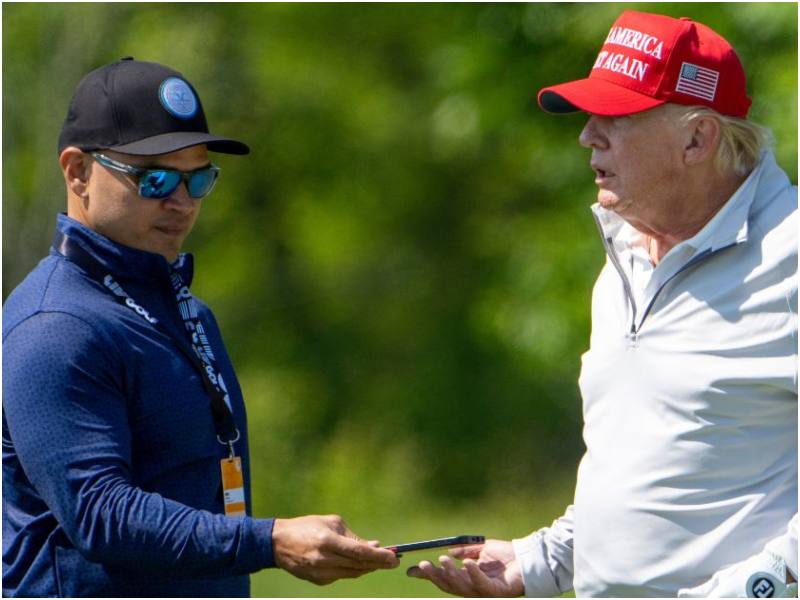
x=140, y=108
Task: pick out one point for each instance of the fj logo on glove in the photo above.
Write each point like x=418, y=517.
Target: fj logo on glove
x=762, y=588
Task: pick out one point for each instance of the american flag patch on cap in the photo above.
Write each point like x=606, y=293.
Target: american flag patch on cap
x=697, y=81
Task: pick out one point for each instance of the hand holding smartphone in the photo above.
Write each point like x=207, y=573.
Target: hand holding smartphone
x=456, y=540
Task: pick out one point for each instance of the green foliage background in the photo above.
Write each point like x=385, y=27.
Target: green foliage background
x=402, y=267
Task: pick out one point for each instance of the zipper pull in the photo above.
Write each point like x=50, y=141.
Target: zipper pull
x=633, y=337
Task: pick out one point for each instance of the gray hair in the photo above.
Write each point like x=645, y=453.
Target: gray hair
x=741, y=141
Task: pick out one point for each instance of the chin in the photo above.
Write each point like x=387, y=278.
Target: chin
x=608, y=200
x=169, y=253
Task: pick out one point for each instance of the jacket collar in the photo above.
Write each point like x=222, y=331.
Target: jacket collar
x=727, y=227
x=124, y=262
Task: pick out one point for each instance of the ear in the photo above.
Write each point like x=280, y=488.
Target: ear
x=76, y=169
x=704, y=134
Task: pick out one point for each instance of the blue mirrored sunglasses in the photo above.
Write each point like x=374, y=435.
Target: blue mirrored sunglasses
x=160, y=183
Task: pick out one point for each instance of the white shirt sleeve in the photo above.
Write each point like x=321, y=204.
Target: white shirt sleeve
x=545, y=558
x=785, y=546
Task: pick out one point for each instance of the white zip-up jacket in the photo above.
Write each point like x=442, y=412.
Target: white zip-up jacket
x=690, y=407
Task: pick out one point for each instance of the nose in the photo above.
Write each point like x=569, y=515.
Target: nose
x=591, y=136
x=180, y=200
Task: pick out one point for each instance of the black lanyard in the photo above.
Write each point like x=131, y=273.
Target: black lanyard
x=227, y=433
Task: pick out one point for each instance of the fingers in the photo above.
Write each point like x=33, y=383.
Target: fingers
x=457, y=578
x=447, y=578
x=322, y=549
x=426, y=570
x=480, y=581
x=360, y=555
x=462, y=552
x=339, y=547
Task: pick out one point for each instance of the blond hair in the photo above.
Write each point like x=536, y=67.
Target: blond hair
x=740, y=143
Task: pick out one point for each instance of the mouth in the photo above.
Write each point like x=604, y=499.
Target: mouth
x=171, y=230
x=602, y=175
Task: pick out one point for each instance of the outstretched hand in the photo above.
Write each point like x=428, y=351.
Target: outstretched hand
x=489, y=570
x=322, y=549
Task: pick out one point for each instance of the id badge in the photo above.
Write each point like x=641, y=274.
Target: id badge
x=233, y=486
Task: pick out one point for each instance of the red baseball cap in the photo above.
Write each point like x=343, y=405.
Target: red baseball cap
x=648, y=60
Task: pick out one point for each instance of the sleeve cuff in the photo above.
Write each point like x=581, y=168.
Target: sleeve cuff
x=536, y=575
x=785, y=546
x=262, y=529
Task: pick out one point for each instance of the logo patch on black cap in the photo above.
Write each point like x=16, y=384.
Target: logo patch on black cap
x=178, y=98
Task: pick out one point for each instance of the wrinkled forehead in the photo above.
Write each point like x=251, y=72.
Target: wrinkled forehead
x=658, y=125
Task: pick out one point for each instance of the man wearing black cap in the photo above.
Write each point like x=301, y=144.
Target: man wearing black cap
x=125, y=454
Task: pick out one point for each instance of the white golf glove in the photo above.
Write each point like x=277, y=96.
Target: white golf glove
x=760, y=576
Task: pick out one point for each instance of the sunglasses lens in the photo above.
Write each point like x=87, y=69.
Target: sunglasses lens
x=202, y=182
x=158, y=184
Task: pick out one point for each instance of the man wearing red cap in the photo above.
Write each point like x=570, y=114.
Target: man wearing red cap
x=689, y=483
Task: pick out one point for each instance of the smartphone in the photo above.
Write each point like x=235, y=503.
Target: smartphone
x=456, y=540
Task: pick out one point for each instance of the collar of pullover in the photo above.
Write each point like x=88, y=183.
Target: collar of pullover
x=123, y=262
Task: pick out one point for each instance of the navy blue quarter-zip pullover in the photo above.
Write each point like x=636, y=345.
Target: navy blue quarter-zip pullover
x=111, y=473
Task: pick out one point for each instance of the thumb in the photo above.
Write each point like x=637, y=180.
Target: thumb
x=462, y=552
x=415, y=572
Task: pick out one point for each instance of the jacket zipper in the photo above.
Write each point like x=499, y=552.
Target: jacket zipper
x=607, y=243
x=634, y=332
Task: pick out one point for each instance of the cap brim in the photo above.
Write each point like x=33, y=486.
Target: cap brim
x=178, y=140
x=594, y=96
